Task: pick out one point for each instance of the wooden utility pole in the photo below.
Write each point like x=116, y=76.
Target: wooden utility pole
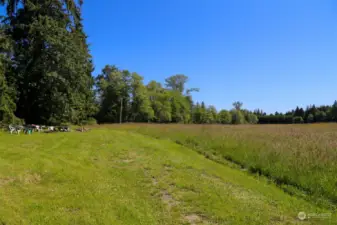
x=121, y=111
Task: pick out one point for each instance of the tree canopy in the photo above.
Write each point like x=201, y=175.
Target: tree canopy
x=50, y=62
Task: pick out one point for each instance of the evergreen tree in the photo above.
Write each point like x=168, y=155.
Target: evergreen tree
x=7, y=92
x=333, y=111
x=53, y=64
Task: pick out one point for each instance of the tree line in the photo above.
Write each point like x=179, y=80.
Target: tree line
x=122, y=96
x=311, y=114
x=46, y=78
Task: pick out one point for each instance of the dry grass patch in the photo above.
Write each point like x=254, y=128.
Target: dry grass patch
x=6, y=180
x=192, y=219
x=29, y=178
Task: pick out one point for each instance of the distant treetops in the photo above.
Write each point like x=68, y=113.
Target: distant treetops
x=123, y=97
x=311, y=114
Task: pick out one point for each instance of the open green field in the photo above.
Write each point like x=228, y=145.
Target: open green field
x=296, y=157
x=118, y=175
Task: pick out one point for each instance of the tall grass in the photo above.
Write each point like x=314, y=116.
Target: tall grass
x=300, y=156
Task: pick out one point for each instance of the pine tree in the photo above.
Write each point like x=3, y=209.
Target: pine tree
x=203, y=116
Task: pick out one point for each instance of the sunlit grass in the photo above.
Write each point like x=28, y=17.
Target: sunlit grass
x=116, y=177
x=302, y=156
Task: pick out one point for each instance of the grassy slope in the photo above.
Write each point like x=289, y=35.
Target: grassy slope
x=115, y=177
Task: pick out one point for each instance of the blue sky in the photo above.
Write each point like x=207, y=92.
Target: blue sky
x=269, y=54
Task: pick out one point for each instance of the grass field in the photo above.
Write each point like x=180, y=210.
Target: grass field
x=297, y=157
x=112, y=176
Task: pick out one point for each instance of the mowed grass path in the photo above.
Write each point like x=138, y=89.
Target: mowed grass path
x=117, y=177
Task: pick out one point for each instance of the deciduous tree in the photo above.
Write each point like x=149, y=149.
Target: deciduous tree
x=224, y=117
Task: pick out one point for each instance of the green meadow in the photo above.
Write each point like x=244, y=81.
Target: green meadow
x=127, y=175
x=299, y=158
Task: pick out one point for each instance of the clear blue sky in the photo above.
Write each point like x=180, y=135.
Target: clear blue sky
x=269, y=54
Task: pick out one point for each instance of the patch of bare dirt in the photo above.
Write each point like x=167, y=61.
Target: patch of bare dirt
x=72, y=210
x=27, y=178
x=129, y=157
x=30, y=178
x=127, y=160
x=154, y=181
x=168, y=199
x=167, y=167
x=193, y=219
x=6, y=180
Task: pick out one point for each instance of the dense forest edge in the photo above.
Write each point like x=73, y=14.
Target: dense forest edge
x=46, y=78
